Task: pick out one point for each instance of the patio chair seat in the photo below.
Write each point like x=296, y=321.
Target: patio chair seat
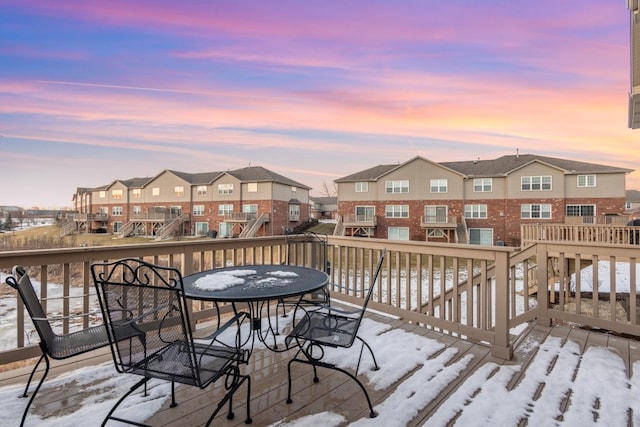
x=53, y=345
x=150, y=299
x=329, y=326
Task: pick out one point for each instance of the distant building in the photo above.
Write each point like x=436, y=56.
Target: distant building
x=251, y=201
x=323, y=207
x=479, y=202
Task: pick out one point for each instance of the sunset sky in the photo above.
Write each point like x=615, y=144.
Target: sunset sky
x=92, y=91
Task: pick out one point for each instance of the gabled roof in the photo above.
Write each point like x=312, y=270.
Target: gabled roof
x=507, y=164
x=260, y=174
x=324, y=200
x=377, y=172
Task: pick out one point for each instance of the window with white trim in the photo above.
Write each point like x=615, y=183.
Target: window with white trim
x=396, y=186
x=179, y=190
x=136, y=193
x=535, y=211
x=202, y=228
x=252, y=187
x=225, y=209
x=481, y=236
x=581, y=210
x=435, y=214
x=155, y=191
x=137, y=210
x=225, y=189
x=116, y=210
x=362, y=187
x=396, y=211
x=482, y=185
x=439, y=185
x=475, y=211
x=198, y=210
x=102, y=194
x=398, y=233
x=586, y=180
x=117, y=194
x=201, y=190
x=535, y=183
x=365, y=213
x=117, y=226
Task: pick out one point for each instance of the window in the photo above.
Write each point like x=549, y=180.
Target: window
x=398, y=233
x=365, y=213
x=116, y=211
x=586, y=180
x=294, y=211
x=362, y=187
x=102, y=194
x=628, y=205
x=179, y=190
x=475, y=211
x=137, y=210
x=396, y=187
x=483, y=185
x=198, y=210
x=252, y=187
x=481, y=236
x=439, y=185
x=535, y=211
x=435, y=214
x=535, y=183
x=225, y=189
x=201, y=190
x=250, y=209
x=117, y=226
x=396, y=211
x=202, y=228
x=155, y=191
x=225, y=209
x=581, y=210
x=116, y=194
x=136, y=193
x=104, y=210
x=294, y=190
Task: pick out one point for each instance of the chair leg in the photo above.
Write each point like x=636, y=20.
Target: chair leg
x=131, y=390
x=173, y=394
x=375, y=362
x=33, y=371
x=33, y=396
x=229, y=397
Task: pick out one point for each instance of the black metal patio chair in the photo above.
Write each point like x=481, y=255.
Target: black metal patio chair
x=335, y=327
x=150, y=299
x=52, y=344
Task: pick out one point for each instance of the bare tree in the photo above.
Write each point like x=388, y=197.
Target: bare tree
x=329, y=191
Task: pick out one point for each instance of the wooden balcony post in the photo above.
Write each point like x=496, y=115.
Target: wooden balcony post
x=543, y=284
x=502, y=346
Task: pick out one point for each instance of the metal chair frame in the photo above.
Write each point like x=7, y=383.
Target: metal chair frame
x=330, y=326
x=53, y=345
x=150, y=299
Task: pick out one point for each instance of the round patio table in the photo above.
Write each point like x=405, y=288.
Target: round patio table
x=257, y=286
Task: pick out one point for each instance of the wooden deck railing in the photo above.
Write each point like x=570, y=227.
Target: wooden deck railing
x=475, y=292
x=585, y=233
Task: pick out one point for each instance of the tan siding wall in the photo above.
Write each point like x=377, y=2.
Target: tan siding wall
x=167, y=183
x=498, y=190
x=607, y=185
x=514, y=182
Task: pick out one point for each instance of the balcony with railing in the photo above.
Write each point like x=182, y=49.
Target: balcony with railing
x=439, y=221
x=359, y=221
x=475, y=297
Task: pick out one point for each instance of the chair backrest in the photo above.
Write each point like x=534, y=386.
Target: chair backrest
x=146, y=302
x=372, y=282
x=21, y=282
x=307, y=249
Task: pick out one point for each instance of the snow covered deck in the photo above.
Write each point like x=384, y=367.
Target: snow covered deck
x=557, y=375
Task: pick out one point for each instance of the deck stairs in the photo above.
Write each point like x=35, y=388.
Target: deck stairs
x=254, y=225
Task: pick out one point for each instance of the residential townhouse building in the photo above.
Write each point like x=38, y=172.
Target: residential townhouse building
x=251, y=201
x=478, y=202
